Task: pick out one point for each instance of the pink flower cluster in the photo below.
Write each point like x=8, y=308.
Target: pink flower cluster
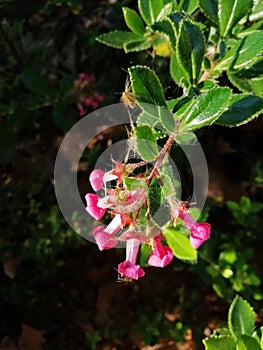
x=124, y=207
x=84, y=90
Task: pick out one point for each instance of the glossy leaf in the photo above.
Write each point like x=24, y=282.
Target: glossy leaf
x=188, y=6
x=242, y=109
x=210, y=9
x=133, y=21
x=205, y=109
x=146, y=86
x=240, y=318
x=190, y=50
x=244, y=54
x=150, y=10
x=139, y=45
x=177, y=72
x=180, y=245
x=154, y=196
x=246, y=84
x=230, y=13
x=257, y=11
x=119, y=38
x=247, y=343
x=146, y=143
x=166, y=27
x=221, y=342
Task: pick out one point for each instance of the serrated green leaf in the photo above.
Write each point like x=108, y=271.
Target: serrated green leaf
x=219, y=286
x=230, y=13
x=243, y=54
x=146, y=86
x=190, y=50
x=150, y=10
x=248, y=343
x=221, y=342
x=188, y=6
x=146, y=143
x=177, y=72
x=210, y=9
x=240, y=318
x=154, y=196
x=167, y=28
x=132, y=184
x=139, y=45
x=242, y=109
x=254, y=85
x=133, y=21
x=257, y=11
x=167, y=119
x=119, y=38
x=205, y=109
x=180, y=245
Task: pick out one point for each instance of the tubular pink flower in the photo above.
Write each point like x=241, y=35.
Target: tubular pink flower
x=128, y=268
x=161, y=255
x=103, y=239
x=96, y=179
x=200, y=231
x=92, y=208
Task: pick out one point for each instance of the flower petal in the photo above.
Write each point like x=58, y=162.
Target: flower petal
x=96, y=179
x=103, y=239
x=130, y=270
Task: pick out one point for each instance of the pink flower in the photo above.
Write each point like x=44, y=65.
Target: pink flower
x=87, y=77
x=105, y=237
x=96, y=179
x=200, y=231
x=128, y=268
x=92, y=206
x=161, y=255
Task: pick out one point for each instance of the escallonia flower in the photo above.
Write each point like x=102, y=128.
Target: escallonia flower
x=128, y=268
x=161, y=255
x=200, y=231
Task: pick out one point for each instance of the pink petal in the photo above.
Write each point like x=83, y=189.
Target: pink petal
x=130, y=270
x=115, y=225
x=200, y=234
x=92, y=208
x=158, y=260
x=96, y=179
x=132, y=249
x=96, y=212
x=103, y=239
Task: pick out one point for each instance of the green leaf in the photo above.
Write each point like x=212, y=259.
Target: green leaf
x=139, y=45
x=190, y=49
x=180, y=245
x=149, y=10
x=119, y=38
x=177, y=72
x=133, y=21
x=210, y=9
x=257, y=11
x=248, y=343
x=167, y=119
x=145, y=251
x=230, y=13
x=154, y=11
x=205, y=109
x=167, y=28
x=245, y=84
x=154, y=196
x=146, y=143
x=240, y=318
x=188, y=6
x=244, y=54
x=221, y=342
x=242, y=109
x=132, y=184
x=146, y=86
